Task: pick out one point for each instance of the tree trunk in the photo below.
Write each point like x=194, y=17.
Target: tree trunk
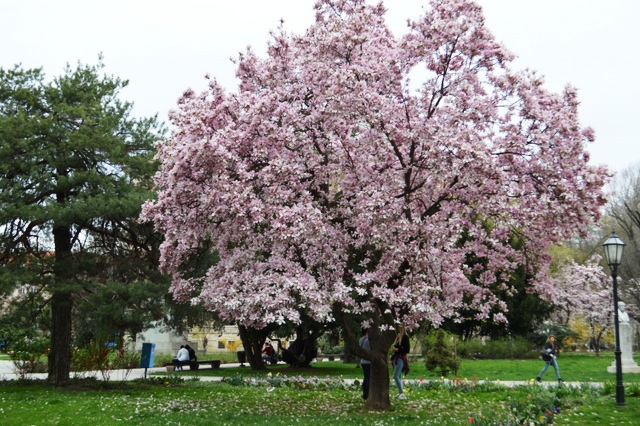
x=59, y=364
x=252, y=341
x=379, y=386
x=60, y=354
x=301, y=351
x=380, y=341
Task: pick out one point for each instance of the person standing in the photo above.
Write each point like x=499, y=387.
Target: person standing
x=549, y=357
x=365, y=364
x=400, y=350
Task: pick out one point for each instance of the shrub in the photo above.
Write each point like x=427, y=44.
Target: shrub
x=102, y=358
x=440, y=353
x=327, y=345
x=633, y=389
x=126, y=360
x=94, y=357
x=518, y=348
x=29, y=356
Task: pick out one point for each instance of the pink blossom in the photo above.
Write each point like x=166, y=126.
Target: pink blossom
x=327, y=179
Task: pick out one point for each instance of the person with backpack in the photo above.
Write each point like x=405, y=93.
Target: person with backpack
x=549, y=357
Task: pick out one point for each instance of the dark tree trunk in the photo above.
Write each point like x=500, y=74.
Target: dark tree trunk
x=380, y=340
x=379, y=386
x=59, y=364
x=60, y=354
x=302, y=350
x=253, y=341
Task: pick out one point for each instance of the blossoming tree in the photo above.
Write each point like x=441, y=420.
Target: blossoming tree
x=332, y=184
x=584, y=290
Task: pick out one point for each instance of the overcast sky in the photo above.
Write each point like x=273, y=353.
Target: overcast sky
x=164, y=47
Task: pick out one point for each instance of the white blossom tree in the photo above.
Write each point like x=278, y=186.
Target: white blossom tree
x=584, y=290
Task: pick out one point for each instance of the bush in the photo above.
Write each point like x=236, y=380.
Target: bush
x=102, y=358
x=518, y=348
x=328, y=345
x=90, y=358
x=127, y=360
x=440, y=353
x=29, y=356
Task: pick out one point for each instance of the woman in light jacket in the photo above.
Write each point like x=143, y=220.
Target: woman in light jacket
x=400, y=350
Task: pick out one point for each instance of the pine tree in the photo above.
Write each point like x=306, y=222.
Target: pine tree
x=74, y=171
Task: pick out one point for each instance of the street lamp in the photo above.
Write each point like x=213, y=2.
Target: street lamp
x=613, y=249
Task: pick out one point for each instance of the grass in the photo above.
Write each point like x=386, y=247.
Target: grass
x=574, y=367
x=176, y=399
x=174, y=402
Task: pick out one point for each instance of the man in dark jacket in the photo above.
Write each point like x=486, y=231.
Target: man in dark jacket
x=549, y=358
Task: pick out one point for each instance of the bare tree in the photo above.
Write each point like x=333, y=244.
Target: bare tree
x=623, y=210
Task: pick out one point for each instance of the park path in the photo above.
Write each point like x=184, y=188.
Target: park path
x=7, y=373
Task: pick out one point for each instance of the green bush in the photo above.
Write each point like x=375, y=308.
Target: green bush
x=126, y=360
x=328, y=345
x=630, y=389
x=518, y=348
x=440, y=353
x=633, y=390
x=29, y=355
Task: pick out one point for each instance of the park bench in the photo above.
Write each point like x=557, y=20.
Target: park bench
x=195, y=365
x=330, y=357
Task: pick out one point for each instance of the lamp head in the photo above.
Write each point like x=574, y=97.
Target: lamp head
x=613, y=249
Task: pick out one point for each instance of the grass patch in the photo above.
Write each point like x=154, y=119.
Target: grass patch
x=281, y=395
x=158, y=401
x=574, y=367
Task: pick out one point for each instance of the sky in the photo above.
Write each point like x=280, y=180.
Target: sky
x=165, y=47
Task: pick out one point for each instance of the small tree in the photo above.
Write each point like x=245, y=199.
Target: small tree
x=583, y=290
x=440, y=353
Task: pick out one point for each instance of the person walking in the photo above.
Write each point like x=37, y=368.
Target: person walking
x=400, y=350
x=365, y=364
x=549, y=357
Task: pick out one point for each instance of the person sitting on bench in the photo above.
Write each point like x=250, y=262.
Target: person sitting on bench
x=192, y=354
x=182, y=358
x=268, y=353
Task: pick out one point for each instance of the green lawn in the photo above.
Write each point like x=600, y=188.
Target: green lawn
x=154, y=402
x=316, y=395
x=574, y=367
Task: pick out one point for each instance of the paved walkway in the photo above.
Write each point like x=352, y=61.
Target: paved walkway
x=7, y=373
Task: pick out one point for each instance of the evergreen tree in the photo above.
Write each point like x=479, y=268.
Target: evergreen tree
x=74, y=171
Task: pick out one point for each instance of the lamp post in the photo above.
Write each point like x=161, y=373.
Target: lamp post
x=613, y=249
